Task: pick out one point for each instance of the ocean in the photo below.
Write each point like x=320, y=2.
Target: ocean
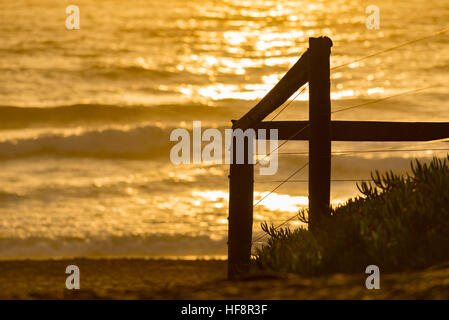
x=86, y=115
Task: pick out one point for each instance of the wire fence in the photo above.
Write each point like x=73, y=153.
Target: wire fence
x=409, y=147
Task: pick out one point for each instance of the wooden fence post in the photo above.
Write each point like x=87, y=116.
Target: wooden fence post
x=320, y=130
x=241, y=189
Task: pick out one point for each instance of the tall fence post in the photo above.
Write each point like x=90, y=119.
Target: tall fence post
x=320, y=130
x=241, y=189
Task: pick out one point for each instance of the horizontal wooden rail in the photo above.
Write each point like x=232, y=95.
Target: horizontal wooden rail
x=363, y=130
x=294, y=79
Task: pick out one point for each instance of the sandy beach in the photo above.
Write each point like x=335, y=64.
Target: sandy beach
x=180, y=279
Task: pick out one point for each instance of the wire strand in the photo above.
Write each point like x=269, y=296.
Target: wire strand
x=285, y=107
x=442, y=31
x=387, y=98
x=283, y=143
x=393, y=148
x=277, y=227
x=284, y=181
x=368, y=151
x=304, y=180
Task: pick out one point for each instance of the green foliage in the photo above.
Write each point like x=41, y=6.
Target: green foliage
x=399, y=223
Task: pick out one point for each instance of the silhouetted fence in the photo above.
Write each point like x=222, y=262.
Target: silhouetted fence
x=313, y=68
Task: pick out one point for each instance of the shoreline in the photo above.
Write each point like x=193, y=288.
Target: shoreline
x=133, y=278
x=119, y=257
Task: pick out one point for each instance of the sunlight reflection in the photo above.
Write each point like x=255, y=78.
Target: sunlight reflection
x=212, y=195
x=341, y=94
x=281, y=202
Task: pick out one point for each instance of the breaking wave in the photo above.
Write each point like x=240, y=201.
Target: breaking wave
x=124, y=246
x=139, y=142
x=12, y=117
